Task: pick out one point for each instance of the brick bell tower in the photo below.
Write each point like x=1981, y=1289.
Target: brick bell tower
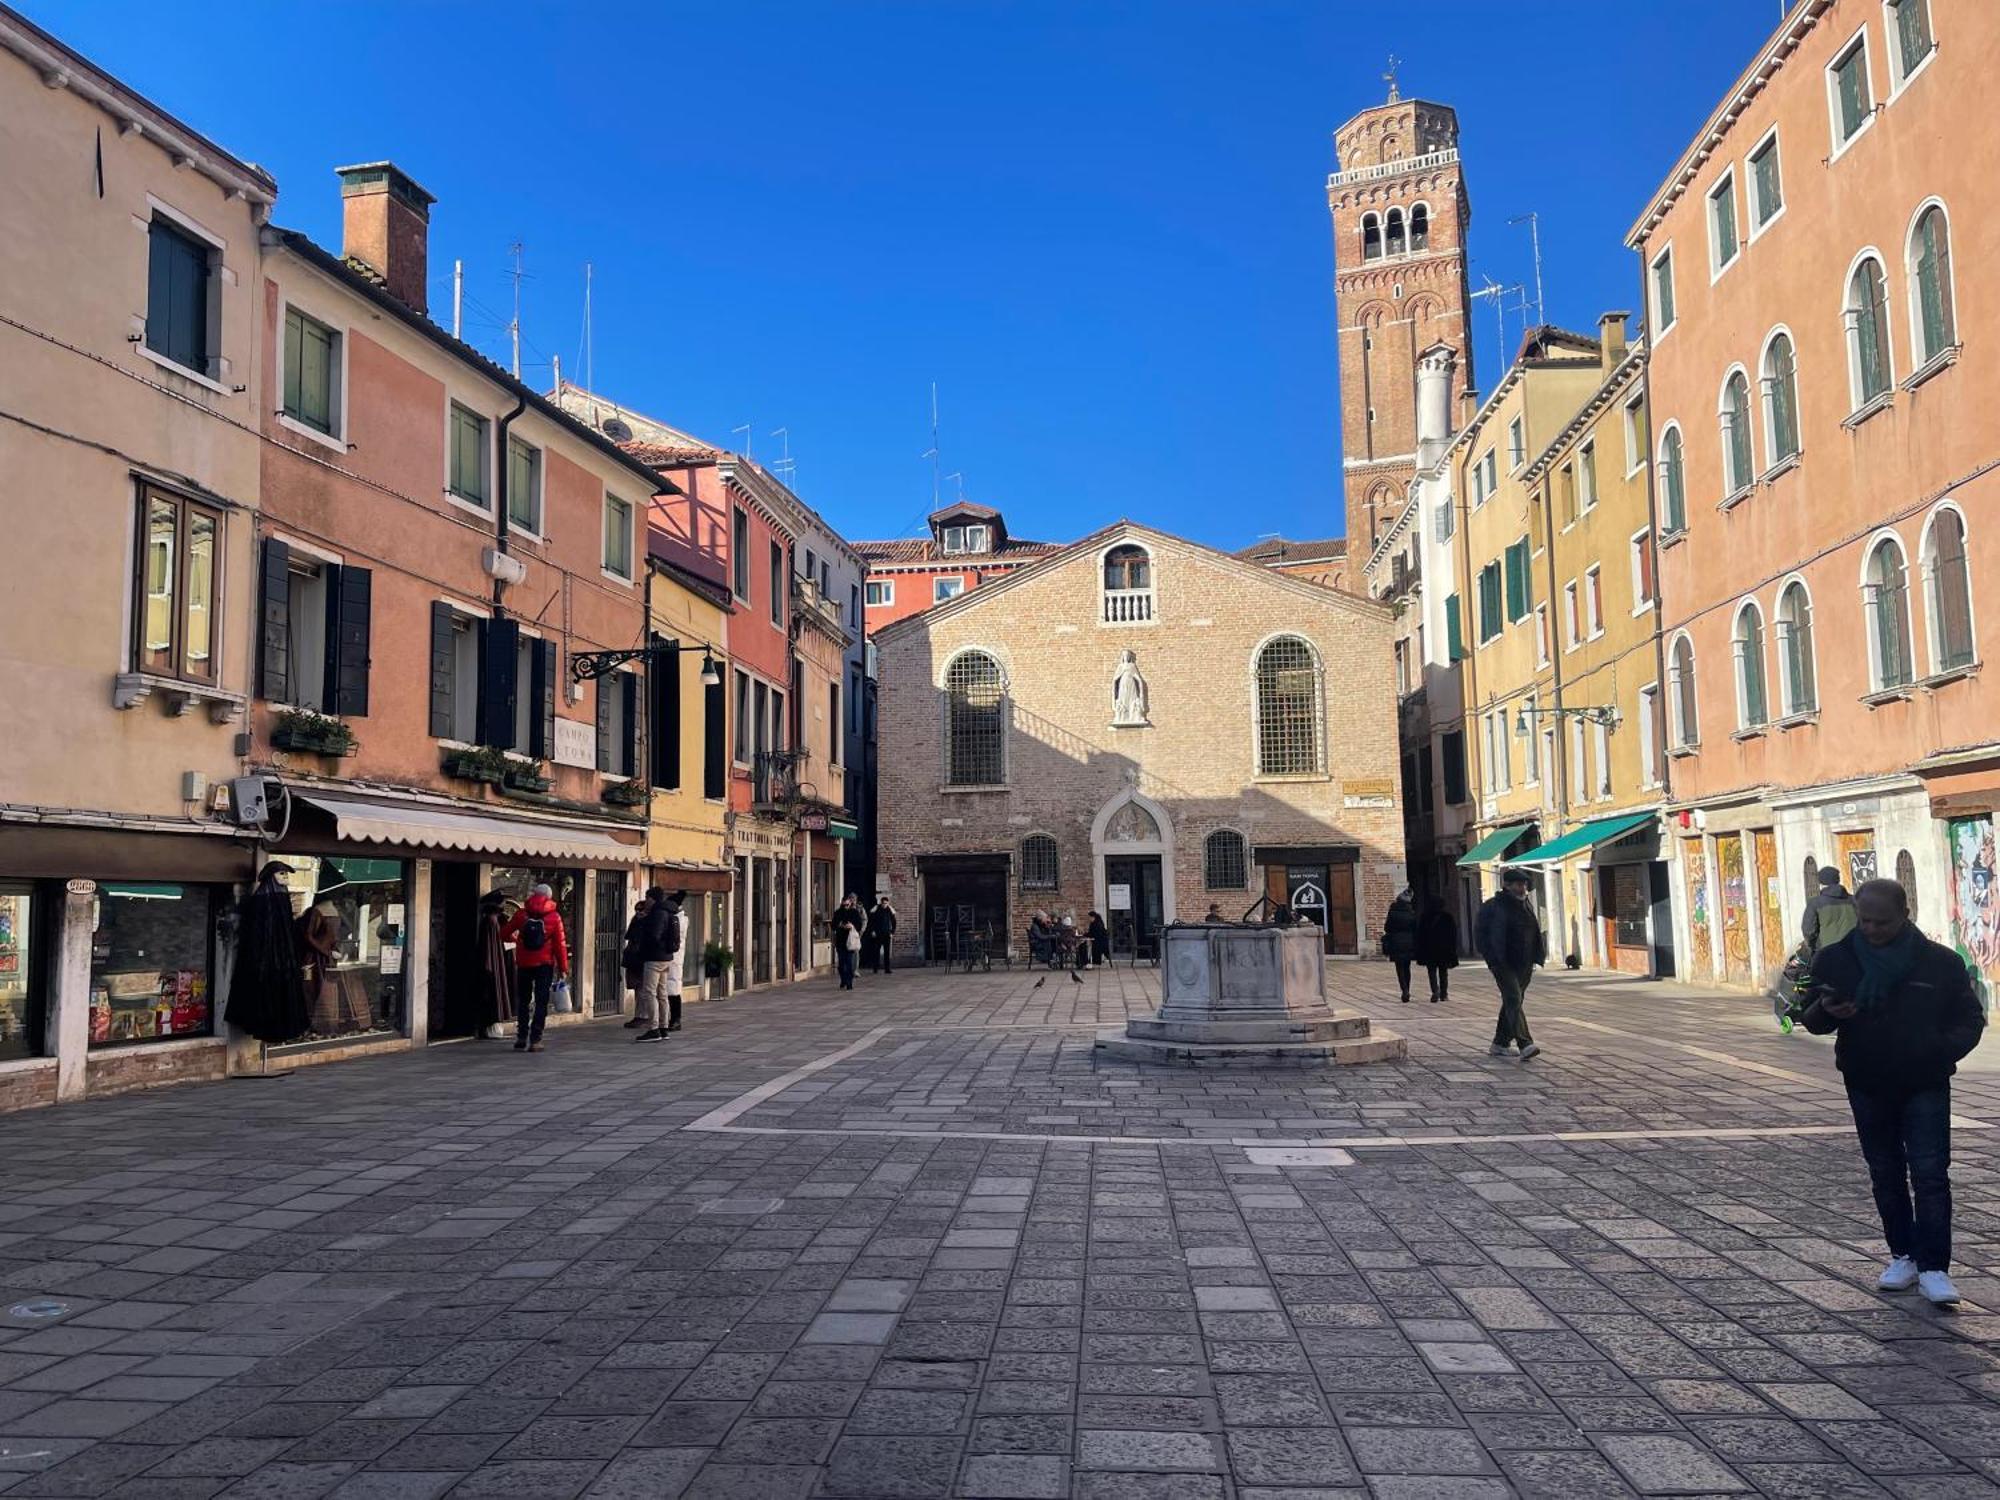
x=1399, y=224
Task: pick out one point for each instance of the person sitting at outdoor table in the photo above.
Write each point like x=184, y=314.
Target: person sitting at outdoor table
x=1100, y=939
x=1041, y=938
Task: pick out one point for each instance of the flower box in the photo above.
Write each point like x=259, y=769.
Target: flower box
x=489, y=766
x=311, y=732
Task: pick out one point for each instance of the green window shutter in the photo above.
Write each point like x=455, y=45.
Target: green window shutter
x=1454, y=629
x=294, y=353
x=1519, y=594
x=1853, y=92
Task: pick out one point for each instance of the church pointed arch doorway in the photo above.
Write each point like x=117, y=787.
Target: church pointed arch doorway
x=1131, y=845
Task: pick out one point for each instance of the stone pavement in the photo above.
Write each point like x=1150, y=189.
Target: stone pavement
x=918, y=1241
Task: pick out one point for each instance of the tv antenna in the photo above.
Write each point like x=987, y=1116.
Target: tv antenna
x=1534, y=222
x=745, y=430
x=959, y=480
x=784, y=468
x=514, y=328
x=1498, y=294
x=931, y=453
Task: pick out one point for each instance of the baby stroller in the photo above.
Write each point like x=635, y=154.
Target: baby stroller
x=1789, y=997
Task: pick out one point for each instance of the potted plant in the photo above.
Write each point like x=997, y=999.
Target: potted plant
x=526, y=776
x=716, y=960
x=302, y=729
x=476, y=763
x=624, y=793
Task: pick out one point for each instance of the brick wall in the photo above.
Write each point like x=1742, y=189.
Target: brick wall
x=1196, y=761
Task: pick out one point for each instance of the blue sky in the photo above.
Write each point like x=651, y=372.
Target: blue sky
x=1100, y=228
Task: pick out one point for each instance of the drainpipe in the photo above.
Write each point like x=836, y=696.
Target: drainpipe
x=500, y=496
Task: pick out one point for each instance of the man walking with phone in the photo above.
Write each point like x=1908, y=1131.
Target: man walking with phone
x=1905, y=1013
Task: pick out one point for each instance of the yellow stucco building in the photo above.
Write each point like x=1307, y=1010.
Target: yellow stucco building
x=688, y=827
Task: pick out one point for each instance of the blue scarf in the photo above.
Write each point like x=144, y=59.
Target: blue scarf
x=1883, y=968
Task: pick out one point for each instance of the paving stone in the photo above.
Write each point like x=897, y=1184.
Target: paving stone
x=897, y=1411
x=1290, y=1455
x=552, y=1480
x=1416, y=1450
x=1014, y=1476
x=886, y=1468
x=689, y=1424
x=1136, y=1450
x=1662, y=1465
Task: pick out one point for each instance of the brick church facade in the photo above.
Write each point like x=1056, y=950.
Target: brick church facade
x=1141, y=726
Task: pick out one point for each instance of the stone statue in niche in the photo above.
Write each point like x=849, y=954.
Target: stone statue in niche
x=1128, y=695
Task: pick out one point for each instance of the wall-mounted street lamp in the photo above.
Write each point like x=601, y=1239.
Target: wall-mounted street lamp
x=587, y=665
x=1610, y=717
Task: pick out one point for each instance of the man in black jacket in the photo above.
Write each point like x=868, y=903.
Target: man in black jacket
x=659, y=944
x=1509, y=936
x=1905, y=1013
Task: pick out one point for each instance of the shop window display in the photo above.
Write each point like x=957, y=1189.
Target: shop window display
x=151, y=951
x=352, y=925
x=567, y=885
x=19, y=1023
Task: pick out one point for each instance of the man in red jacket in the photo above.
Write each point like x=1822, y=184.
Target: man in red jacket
x=541, y=957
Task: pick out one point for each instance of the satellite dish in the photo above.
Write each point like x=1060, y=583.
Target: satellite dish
x=616, y=429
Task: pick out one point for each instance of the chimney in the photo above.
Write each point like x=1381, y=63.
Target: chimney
x=1433, y=403
x=1611, y=339
x=385, y=224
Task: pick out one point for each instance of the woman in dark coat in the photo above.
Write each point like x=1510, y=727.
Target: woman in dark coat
x=1100, y=940
x=1399, y=939
x=629, y=959
x=496, y=967
x=1437, y=946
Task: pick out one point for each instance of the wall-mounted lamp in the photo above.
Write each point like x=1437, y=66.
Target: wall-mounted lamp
x=1610, y=718
x=711, y=674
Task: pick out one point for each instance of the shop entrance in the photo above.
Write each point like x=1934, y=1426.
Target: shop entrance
x=1320, y=894
x=1624, y=904
x=965, y=904
x=454, y=965
x=607, y=988
x=1134, y=893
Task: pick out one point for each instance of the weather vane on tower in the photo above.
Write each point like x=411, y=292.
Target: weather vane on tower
x=1389, y=77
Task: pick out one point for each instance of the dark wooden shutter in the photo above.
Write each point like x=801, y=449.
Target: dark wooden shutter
x=274, y=640
x=350, y=602
x=629, y=763
x=544, y=726
x=664, y=685
x=443, y=664
x=605, y=687
x=497, y=686
x=715, y=741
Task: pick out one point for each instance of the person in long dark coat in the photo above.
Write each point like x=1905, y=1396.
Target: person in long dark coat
x=496, y=967
x=1437, y=946
x=267, y=993
x=1399, y=940
x=1100, y=940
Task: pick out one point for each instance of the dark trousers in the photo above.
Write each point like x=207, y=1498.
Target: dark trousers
x=531, y=993
x=1403, y=975
x=673, y=1009
x=1440, y=977
x=1513, y=1023
x=1906, y=1139
x=845, y=955
x=877, y=955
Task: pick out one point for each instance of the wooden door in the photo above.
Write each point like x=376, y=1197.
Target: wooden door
x=1734, y=888
x=1343, y=924
x=1770, y=911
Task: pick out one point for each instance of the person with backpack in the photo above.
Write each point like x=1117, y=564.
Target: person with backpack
x=882, y=928
x=847, y=922
x=1830, y=914
x=541, y=957
x=633, y=964
x=662, y=945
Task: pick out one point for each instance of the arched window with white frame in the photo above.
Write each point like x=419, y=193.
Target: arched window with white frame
x=1225, y=865
x=1753, y=701
x=1398, y=242
x=1420, y=227
x=1948, y=590
x=975, y=721
x=1128, y=585
x=1683, y=717
x=1798, y=672
x=1287, y=693
x=1779, y=381
x=1673, y=480
x=1885, y=598
x=1933, y=303
x=1870, y=364
x=1371, y=237
x=1738, y=468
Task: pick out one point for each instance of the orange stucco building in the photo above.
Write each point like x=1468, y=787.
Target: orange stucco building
x=1823, y=361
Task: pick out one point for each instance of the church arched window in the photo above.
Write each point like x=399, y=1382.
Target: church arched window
x=1398, y=240
x=1371, y=237
x=1420, y=227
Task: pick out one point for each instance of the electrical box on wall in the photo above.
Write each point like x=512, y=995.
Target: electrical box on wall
x=194, y=786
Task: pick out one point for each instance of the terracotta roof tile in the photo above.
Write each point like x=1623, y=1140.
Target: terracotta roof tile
x=908, y=550
x=1282, y=549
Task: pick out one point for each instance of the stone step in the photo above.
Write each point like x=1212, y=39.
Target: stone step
x=1381, y=1046
x=1325, y=1027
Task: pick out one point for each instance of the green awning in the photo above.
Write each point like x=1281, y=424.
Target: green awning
x=1489, y=849
x=1585, y=836
x=835, y=829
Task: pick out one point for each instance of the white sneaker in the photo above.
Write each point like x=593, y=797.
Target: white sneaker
x=1533, y=1049
x=1937, y=1288
x=1496, y=1050
x=1899, y=1275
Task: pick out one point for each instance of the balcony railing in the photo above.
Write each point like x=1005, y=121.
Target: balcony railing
x=774, y=778
x=1128, y=606
x=1393, y=168
x=809, y=601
